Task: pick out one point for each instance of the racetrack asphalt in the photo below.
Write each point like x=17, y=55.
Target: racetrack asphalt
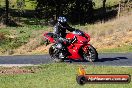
x=113, y=59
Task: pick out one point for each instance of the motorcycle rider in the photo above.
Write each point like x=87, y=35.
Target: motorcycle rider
x=60, y=33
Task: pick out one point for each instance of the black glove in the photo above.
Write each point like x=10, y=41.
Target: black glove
x=72, y=40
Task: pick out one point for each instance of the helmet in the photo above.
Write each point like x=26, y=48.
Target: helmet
x=62, y=20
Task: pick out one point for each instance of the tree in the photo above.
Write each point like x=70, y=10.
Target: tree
x=78, y=10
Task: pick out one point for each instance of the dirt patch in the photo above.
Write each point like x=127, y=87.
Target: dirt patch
x=17, y=70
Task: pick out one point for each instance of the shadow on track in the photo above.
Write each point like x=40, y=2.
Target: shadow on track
x=111, y=59
x=99, y=60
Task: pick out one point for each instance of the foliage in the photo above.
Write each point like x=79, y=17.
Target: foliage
x=86, y=11
x=75, y=9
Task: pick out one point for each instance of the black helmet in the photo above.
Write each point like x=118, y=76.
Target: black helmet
x=62, y=20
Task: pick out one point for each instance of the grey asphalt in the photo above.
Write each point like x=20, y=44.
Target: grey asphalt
x=114, y=59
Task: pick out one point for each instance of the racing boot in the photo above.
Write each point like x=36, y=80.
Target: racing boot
x=61, y=55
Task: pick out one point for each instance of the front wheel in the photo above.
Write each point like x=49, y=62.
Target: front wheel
x=54, y=54
x=91, y=54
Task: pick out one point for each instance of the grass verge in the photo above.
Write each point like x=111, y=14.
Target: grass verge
x=14, y=37
x=61, y=75
x=123, y=49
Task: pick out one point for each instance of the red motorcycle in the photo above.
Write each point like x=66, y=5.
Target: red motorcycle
x=79, y=49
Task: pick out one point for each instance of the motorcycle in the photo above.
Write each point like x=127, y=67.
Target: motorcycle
x=79, y=49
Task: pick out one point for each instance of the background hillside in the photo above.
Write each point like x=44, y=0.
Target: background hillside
x=109, y=31
x=112, y=36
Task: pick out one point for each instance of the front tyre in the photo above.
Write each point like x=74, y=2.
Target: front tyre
x=92, y=54
x=54, y=54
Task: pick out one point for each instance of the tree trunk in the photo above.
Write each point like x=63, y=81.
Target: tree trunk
x=7, y=10
x=119, y=8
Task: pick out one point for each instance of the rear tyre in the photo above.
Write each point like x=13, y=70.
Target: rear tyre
x=92, y=56
x=54, y=54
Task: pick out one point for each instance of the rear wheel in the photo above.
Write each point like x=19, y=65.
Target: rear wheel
x=92, y=54
x=54, y=54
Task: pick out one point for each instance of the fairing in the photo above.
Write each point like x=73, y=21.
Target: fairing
x=82, y=42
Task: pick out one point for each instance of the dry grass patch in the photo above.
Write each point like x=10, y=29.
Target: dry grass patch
x=41, y=49
x=35, y=45
x=32, y=44
x=18, y=70
x=112, y=34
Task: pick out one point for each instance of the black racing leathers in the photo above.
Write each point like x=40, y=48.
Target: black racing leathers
x=60, y=31
x=59, y=36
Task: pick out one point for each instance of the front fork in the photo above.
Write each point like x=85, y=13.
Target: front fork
x=87, y=52
x=86, y=49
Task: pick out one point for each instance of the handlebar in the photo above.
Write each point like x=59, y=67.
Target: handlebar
x=74, y=39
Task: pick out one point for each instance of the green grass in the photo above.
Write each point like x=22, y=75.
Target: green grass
x=108, y=3
x=122, y=49
x=61, y=75
x=29, y=5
